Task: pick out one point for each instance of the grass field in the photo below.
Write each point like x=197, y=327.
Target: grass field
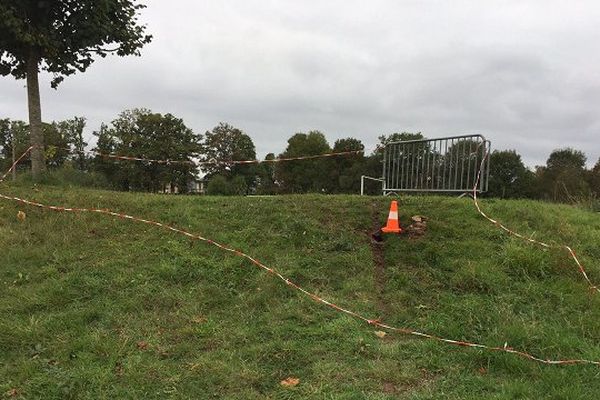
x=99, y=308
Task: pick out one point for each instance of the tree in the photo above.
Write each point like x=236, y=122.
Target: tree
x=72, y=130
x=509, y=178
x=594, y=178
x=566, y=158
x=564, y=176
x=227, y=143
x=403, y=160
x=267, y=183
x=220, y=185
x=61, y=37
x=107, y=143
x=396, y=137
x=345, y=171
x=304, y=175
x=14, y=140
x=462, y=160
x=143, y=134
x=60, y=136
x=372, y=166
x=56, y=149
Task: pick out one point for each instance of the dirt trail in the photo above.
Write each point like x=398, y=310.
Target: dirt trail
x=378, y=262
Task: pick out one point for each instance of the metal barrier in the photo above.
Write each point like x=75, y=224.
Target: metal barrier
x=362, y=182
x=448, y=164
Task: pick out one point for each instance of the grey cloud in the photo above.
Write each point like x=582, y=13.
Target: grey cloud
x=527, y=75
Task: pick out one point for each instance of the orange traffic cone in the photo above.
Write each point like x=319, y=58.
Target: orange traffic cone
x=393, y=223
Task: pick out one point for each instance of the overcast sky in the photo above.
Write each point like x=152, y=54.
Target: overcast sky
x=526, y=74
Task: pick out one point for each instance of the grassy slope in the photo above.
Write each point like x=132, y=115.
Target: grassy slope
x=78, y=293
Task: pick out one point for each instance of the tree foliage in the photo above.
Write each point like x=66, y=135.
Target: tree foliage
x=13, y=133
x=227, y=143
x=409, y=156
x=594, y=179
x=221, y=185
x=303, y=176
x=509, y=178
x=57, y=145
x=62, y=37
x=397, y=137
x=266, y=182
x=62, y=138
x=463, y=157
x=72, y=130
x=141, y=133
x=564, y=176
x=345, y=171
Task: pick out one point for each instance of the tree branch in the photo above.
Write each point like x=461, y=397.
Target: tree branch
x=101, y=50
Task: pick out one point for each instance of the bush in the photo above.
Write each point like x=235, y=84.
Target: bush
x=68, y=176
x=219, y=185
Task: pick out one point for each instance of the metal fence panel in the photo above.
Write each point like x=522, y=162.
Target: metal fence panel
x=449, y=164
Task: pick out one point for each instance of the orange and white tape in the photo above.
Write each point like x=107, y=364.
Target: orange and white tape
x=571, y=252
x=212, y=161
x=272, y=271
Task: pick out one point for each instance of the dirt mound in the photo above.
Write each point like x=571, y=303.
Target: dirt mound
x=417, y=228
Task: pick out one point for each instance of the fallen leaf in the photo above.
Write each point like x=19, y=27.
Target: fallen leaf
x=12, y=392
x=198, y=319
x=482, y=370
x=290, y=382
x=142, y=345
x=380, y=334
x=21, y=216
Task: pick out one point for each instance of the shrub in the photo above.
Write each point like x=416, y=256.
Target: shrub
x=68, y=176
x=219, y=185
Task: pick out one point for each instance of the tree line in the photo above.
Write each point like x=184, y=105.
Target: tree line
x=146, y=134
x=63, y=37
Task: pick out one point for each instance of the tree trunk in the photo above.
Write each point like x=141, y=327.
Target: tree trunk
x=14, y=154
x=81, y=151
x=38, y=162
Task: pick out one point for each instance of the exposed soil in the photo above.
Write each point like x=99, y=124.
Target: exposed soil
x=414, y=231
x=417, y=228
x=378, y=261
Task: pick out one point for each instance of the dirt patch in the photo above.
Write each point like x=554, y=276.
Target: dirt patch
x=378, y=261
x=417, y=228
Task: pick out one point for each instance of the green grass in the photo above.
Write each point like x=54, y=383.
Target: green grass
x=99, y=308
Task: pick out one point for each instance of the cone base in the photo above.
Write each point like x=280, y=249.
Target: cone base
x=391, y=230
